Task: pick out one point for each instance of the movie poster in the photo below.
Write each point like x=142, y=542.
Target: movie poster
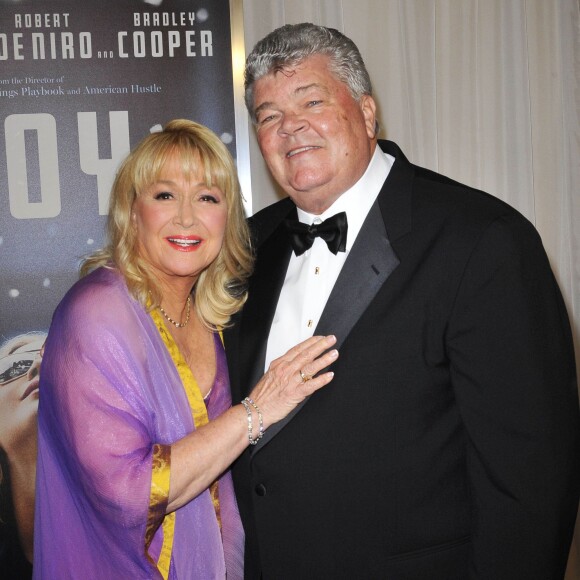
x=80, y=84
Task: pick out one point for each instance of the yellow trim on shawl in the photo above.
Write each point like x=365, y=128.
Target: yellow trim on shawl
x=200, y=418
x=192, y=391
x=161, y=471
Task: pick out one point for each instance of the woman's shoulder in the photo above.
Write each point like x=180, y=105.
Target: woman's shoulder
x=104, y=283
x=102, y=296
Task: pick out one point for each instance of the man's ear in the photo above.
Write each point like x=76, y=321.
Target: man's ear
x=369, y=111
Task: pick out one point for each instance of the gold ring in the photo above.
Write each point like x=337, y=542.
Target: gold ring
x=304, y=377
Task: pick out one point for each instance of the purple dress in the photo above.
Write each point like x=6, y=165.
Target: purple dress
x=112, y=401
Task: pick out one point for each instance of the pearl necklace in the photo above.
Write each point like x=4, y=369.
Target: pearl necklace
x=178, y=324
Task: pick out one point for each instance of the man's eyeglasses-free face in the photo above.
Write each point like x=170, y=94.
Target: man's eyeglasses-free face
x=17, y=364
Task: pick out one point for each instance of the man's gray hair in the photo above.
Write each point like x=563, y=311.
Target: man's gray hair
x=289, y=45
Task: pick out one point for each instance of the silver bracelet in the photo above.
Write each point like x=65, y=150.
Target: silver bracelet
x=246, y=403
x=260, y=419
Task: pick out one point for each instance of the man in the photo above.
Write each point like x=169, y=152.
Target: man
x=446, y=446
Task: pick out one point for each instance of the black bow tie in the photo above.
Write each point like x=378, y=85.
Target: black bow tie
x=332, y=231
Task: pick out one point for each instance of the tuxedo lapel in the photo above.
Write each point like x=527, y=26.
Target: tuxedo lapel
x=368, y=265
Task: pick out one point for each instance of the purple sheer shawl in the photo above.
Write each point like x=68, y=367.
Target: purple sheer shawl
x=110, y=391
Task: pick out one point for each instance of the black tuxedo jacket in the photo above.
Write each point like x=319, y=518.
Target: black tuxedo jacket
x=446, y=447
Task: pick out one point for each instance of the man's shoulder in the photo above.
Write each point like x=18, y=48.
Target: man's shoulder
x=438, y=194
x=435, y=191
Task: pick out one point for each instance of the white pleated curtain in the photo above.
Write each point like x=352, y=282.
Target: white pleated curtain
x=484, y=91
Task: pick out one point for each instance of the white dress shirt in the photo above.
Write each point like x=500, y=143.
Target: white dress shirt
x=311, y=276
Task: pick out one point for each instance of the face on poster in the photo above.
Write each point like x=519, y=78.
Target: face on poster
x=80, y=84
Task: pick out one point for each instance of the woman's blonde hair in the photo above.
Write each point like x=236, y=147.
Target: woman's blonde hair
x=221, y=289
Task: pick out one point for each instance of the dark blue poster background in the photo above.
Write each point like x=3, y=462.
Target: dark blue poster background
x=80, y=84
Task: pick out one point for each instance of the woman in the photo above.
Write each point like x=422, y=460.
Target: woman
x=136, y=427
x=19, y=365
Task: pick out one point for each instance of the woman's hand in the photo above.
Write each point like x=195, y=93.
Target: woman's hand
x=200, y=457
x=293, y=377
